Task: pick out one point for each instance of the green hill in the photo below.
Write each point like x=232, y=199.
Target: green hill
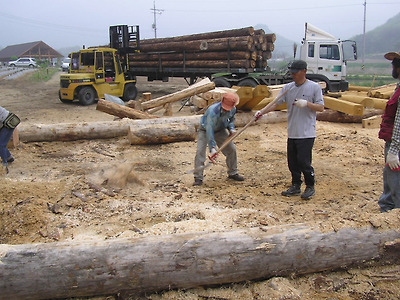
x=382, y=39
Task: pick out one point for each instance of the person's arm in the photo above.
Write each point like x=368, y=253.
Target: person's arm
x=209, y=125
x=392, y=158
x=314, y=106
x=395, y=144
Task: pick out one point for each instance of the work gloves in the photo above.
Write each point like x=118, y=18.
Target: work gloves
x=300, y=103
x=392, y=160
x=258, y=115
x=213, y=155
x=232, y=132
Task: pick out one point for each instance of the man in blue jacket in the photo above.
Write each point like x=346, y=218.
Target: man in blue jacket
x=216, y=125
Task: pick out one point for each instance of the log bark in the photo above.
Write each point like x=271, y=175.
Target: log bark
x=122, y=111
x=113, y=129
x=181, y=261
x=339, y=117
x=186, y=93
x=245, y=63
x=161, y=134
x=234, y=55
x=233, y=43
x=202, y=36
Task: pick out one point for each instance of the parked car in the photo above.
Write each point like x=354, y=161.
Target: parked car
x=23, y=62
x=65, y=64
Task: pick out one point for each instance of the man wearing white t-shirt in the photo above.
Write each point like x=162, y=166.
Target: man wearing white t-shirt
x=303, y=99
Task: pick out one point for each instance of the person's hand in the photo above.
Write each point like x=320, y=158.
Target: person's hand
x=258, y=115
x=300, y=103
x=232, y=132
x=213, y=155
x=392, y=160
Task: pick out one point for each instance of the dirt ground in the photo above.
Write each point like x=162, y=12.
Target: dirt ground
x=48, y=195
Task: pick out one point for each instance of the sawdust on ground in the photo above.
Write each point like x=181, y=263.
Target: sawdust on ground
x=51, y=193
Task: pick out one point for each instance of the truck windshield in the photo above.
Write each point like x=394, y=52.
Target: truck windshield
x=87, y=59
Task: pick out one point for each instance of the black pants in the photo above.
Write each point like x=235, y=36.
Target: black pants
x=299, y=157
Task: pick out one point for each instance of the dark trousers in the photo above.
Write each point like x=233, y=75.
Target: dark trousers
x=299, y=157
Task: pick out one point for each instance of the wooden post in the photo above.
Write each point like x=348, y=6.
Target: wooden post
x=146, y=96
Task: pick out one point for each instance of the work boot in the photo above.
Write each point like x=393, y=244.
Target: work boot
x=308, y=192
x=197, y=182
x=293, y=190
x=236, y=177
x=10, y=159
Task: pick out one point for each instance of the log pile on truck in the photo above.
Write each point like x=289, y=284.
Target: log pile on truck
x=243, y=48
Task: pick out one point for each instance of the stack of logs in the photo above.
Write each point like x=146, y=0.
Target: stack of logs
x=236, y=48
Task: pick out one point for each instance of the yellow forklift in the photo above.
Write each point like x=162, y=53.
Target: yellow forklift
x=102, y=70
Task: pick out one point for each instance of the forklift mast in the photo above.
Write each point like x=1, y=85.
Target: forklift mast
x=126, y=40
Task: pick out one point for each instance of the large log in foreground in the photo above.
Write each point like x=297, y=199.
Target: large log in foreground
x=154, y=263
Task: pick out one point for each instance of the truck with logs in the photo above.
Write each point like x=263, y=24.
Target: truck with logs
x=230, y=57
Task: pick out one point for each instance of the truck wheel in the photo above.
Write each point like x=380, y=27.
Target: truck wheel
x=130, y=92
x=87, y=96
x=248, y=82
x=221, y=82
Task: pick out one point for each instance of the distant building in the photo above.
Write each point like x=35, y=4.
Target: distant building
x=38, y=50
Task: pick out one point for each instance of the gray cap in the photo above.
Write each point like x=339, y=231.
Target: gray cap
x=297, y=65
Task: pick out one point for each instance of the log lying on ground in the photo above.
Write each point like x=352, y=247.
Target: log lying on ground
x=181, y=261
x=113, y=129
x=161, y=134
x=329, y=115
x=122, y=111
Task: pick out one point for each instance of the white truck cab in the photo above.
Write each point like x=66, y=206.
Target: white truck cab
x=327, y=57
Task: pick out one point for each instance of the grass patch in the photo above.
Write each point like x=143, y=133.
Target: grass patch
x=372, y=74
x=43, y=74
x=369, y=80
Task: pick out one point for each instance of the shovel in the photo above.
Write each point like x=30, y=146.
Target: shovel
x=234, y=136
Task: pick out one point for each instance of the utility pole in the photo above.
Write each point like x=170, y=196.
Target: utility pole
x=155, y=12
x=365, y=17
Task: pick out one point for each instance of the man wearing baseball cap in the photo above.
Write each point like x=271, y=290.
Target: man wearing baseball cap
x=216, y=125
x=390, y=133
x=303, y=99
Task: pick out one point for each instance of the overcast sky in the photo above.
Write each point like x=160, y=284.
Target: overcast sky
x=85, y=22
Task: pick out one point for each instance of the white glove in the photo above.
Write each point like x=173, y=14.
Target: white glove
x=213, y=155
x=300, y=102
x=232, y=132
x=392, y=160
x=258, y=115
